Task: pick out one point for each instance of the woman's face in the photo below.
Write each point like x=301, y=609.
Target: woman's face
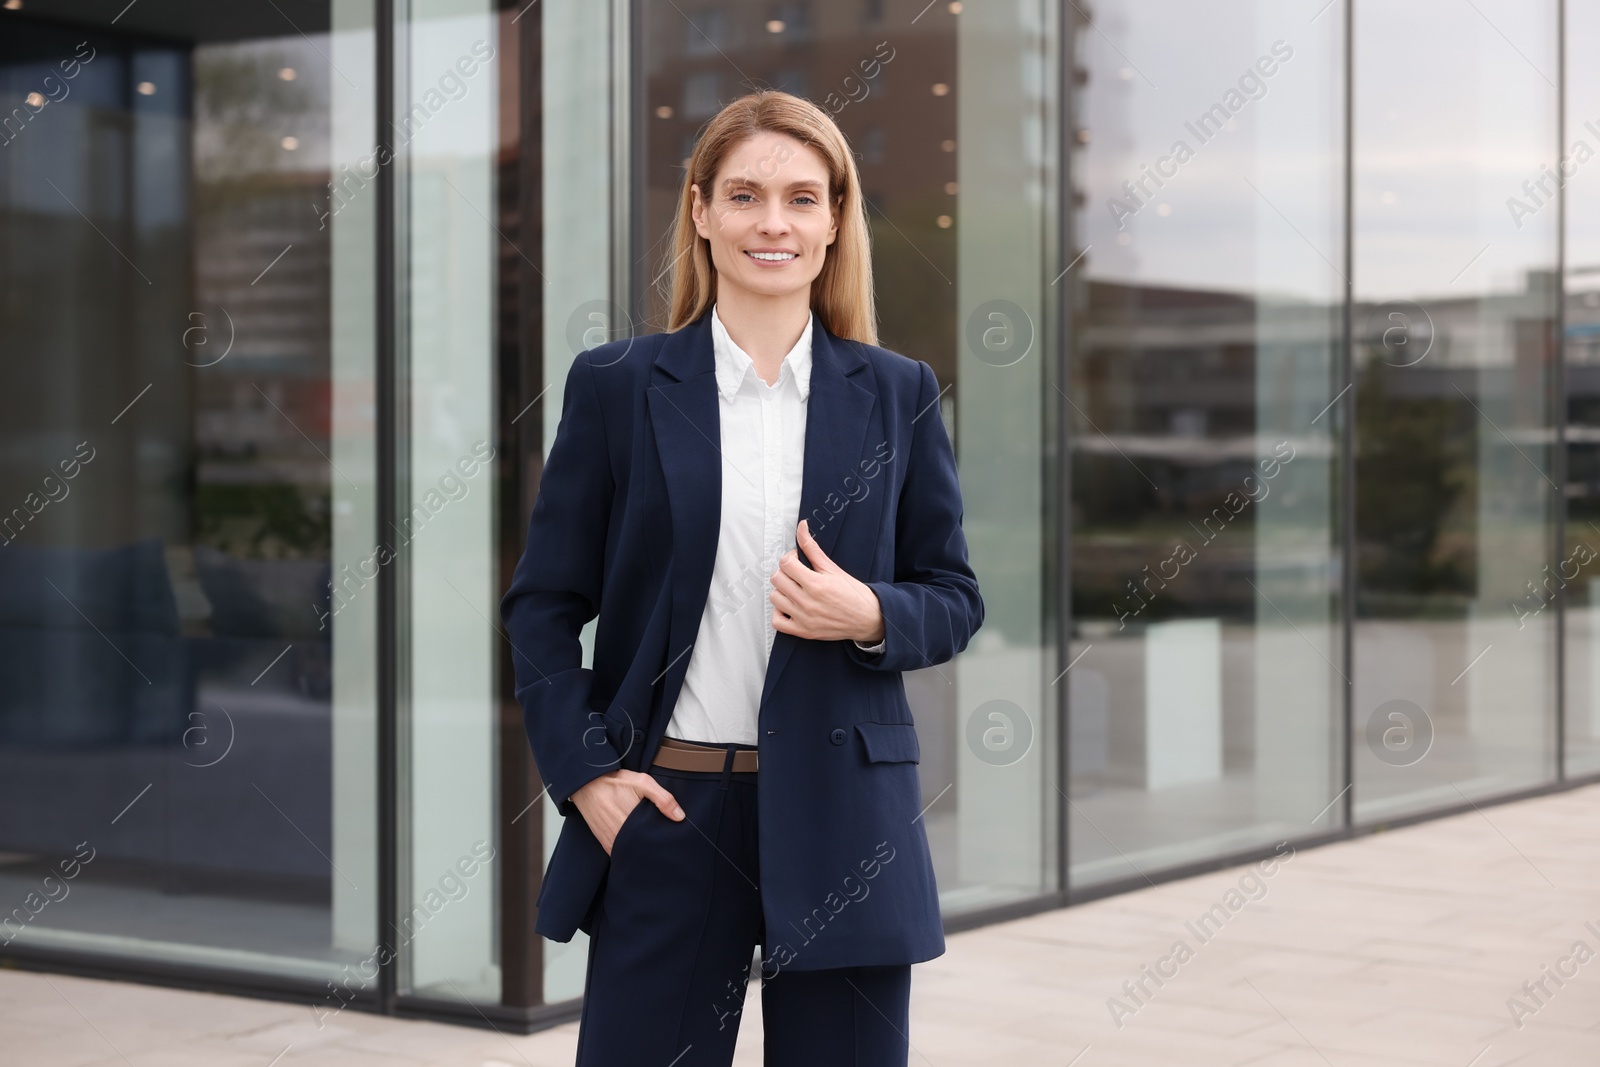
x=768, y=218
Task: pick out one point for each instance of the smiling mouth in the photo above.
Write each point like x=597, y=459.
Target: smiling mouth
x=773, y=257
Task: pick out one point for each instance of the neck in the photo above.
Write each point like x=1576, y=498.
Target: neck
x=765, y=327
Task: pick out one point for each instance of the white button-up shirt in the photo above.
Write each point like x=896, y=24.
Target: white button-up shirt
x=763, y=459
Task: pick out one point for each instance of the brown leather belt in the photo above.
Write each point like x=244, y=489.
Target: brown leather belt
x=688, y=756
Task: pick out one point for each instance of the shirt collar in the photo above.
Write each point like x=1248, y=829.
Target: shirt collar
x=733, y=363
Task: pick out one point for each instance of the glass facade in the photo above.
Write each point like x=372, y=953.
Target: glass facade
x=1576, y=576
x=1205, y=690
x=1270, y=351
x=1454, y=347
x=188, y=692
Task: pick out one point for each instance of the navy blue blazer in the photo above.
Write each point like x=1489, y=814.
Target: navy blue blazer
x=625, y=527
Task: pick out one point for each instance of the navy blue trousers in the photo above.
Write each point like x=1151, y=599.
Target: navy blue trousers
x=672, y=944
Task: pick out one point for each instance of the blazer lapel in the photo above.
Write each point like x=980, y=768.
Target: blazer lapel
x=686, y=421
x=688, y=435
x=837, y=415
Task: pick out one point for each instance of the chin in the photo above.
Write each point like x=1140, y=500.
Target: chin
x=771, y=286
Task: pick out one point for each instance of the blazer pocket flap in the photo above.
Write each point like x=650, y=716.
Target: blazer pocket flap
x=890, y=742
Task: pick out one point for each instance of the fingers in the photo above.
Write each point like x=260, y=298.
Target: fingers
x=627, y=789
x=784, y=582
x=791, y=567
x=819, y=559
x=658, y=795
x=786, y=592
x=783, y=600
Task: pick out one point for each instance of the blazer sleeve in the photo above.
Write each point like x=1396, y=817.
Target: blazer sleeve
x=932, y=608
x=555, y=591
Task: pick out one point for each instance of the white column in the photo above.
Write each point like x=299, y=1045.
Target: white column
x=1004, y=114
x=578, y=125
x=449, y=120
x=355, y=521
x=1183, y=702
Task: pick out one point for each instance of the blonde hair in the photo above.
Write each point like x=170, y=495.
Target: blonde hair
x=841, y=295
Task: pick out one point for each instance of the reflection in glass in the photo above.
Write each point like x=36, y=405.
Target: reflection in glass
x=1453, y=345
x=179, y=477
x=1205, y=691
x=1578, y=569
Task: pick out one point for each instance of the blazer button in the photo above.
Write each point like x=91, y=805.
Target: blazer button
x=638, y=736
x=837, y=737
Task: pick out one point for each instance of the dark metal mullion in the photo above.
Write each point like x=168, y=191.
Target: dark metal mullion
x=521, y=816
x=1559, y=382
x=633, y=271
x=1066, y=80
x=387, y=387
x=1347, y=443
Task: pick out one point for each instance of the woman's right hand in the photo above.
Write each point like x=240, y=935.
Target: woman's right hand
x=605, y=802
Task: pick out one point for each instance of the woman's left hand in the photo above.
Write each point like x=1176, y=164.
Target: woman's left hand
x=822, y=602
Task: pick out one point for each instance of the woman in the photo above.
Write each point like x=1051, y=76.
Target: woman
x=761, y=506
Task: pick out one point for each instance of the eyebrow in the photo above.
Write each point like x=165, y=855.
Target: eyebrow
x=805, y=183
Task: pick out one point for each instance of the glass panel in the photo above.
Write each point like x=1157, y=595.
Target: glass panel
x=186, y=706
x=1454, y=346
x=1578, y=570
x=952, y=114
x=448, y=130
x=1205, y=690
x=993, y=712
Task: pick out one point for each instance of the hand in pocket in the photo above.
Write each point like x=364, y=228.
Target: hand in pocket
x=607, y=801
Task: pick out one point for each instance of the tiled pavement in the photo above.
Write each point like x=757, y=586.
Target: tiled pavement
x=1401, y=948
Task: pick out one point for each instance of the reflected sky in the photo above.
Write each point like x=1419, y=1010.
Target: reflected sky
x=1454, y=109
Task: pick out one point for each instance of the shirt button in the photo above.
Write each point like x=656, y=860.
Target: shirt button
x=837, y=737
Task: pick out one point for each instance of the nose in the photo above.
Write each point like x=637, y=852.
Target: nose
x=772, y=218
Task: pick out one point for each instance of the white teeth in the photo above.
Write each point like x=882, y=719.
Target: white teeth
x=775, y=257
